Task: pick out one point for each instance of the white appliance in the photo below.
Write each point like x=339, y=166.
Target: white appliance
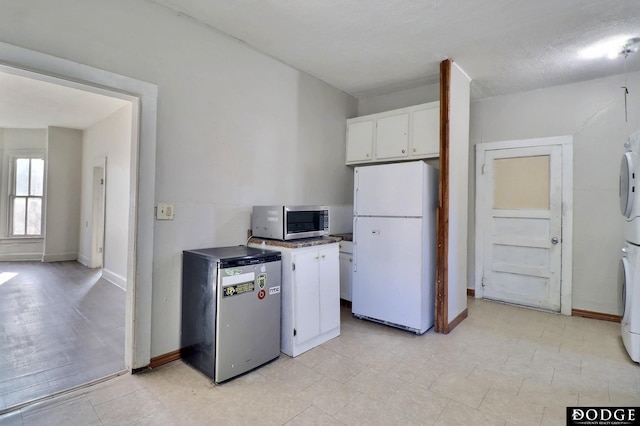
x=394, y=230
x=630, y=263
x=630, y=274
x=629, y=199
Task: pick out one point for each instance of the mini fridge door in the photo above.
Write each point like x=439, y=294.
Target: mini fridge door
x=248, y=318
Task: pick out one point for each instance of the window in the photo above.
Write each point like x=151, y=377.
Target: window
x=25, y=198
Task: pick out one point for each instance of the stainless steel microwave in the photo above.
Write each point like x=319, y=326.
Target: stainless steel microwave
x=290, y=222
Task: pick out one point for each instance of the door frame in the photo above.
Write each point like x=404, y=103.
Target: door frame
x=144, y=99
x=566, y=143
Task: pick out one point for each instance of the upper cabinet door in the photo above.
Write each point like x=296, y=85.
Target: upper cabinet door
x=425, y=132
x=392, y=136
x=359, y=141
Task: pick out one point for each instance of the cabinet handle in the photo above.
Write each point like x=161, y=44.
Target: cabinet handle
x=317, y=257
x=323, y=256
x=403, y=151
x=350, y=259
x=414, y=150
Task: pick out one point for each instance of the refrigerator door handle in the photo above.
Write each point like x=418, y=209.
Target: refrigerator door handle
x=355, y=244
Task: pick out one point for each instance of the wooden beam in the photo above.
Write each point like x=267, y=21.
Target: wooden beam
x=442, y=220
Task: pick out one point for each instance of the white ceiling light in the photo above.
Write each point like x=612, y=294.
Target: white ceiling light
x=611, y=48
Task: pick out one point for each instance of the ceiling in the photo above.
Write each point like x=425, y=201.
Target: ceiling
x=374, y=47
x=371, y=47
x=26, y=103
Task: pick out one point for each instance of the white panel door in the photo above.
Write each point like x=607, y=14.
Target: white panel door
x=522, y=242
x=388, y=270
x=389, y=189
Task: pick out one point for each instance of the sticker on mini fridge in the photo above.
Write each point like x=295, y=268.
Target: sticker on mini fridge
x=236, y=289
x=274, y=290
x=262, y=280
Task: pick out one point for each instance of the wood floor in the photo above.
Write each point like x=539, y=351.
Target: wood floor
x=61, y=326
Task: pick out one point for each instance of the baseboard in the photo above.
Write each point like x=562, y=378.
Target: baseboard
x=84, y=260
x=596, y=315
x=114, y=278
x=471, y=292
x=21, y=257
x=456, y=321
x=60, y=257
x=164, y=359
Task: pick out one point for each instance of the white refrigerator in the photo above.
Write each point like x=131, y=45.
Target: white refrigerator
x=394, y=236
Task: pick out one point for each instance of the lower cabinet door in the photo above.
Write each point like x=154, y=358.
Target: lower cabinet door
x=329, y=273
x=306, y=288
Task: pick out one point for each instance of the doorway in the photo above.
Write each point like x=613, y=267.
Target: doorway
x=143, y=97
x=98, y=210
x=523, y=222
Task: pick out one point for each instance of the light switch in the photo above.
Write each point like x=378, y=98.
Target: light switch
x=164, y=211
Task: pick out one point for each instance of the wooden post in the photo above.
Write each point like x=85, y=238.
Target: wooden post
x=442, y=213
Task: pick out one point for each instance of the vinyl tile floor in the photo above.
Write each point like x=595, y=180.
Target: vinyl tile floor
x=61, y=325
x=503, y=365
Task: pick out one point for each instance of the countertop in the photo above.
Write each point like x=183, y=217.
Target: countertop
x=305, y=242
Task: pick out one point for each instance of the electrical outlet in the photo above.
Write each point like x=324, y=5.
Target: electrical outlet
x=164, y=211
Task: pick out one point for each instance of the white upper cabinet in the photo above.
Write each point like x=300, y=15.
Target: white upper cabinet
x=425, y=131
x=403, y=134
x=392, y=136
x=360, y=141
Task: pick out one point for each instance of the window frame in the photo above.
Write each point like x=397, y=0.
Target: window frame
x=11, y=189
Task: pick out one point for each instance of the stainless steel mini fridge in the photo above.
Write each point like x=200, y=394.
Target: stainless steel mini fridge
x=230, y=309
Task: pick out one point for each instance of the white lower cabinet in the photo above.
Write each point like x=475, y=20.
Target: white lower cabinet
x=310, y=297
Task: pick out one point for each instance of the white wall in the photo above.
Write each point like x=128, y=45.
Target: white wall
x=404, y=98
x=593, y=112
x=458, y=192
x=110, y=139
x=13, y=141
x=62, y=203
x=235, y=127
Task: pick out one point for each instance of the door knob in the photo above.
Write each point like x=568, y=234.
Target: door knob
x=554, y=240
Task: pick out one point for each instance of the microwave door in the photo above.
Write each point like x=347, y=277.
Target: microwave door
x=305, y=223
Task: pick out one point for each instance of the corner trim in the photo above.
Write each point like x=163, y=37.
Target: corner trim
x=112, y=277
x=596, y=315
x=457, y=320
